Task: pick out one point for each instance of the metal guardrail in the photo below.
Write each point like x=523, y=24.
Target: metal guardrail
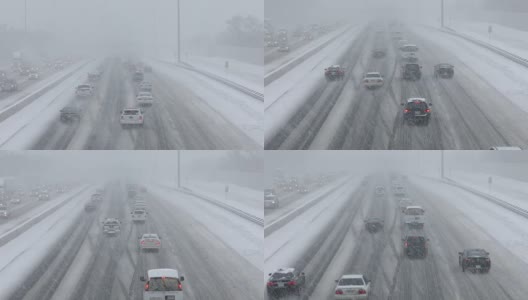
x=288, y=217
x=26, y=100
x=15, y=232
x=236, y=211
x=513, y=208
x=513, y=57
x=278, y=72
x=241, y=88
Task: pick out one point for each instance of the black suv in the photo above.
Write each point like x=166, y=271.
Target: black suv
x=444, y=71
x=416, y=110
x=374, y=225
x=415, y=245
x=285, y=281
x=411, y=71
x=476, y=260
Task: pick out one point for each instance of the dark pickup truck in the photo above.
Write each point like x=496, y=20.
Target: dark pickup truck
x=70, y=114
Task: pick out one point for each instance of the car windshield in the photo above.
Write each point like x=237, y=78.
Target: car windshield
x=351, y=281
x=373, y=75
x=163, y=284
x=139, y=212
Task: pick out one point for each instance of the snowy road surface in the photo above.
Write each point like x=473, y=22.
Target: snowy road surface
x=481, y=107
x=189, y=112
x=456, y=220
x=219, y=254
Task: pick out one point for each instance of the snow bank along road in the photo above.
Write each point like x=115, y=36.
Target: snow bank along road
x=474, y=110
x=455, y=220
x=180, y=118
x=218, y=253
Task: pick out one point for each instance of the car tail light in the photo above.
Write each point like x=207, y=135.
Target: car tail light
x=293, y=282
x=406, y=110
x=141, y=118
x=158, y=243
x=406, y=244
x=271, y=283
x=142, y=242
x=428, y=110
x=339, y=292
x=180, y=287
x=362, y=292
x=146, y=286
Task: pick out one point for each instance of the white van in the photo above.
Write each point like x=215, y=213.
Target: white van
x=163, y=284
x=414, y=216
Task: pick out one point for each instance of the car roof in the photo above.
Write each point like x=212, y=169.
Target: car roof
x=414, y=206
x=416, y=99
x=476, y=250
x=158, y=273
x=150, y=234
x=373, y=73
x=347, y=276
x=285, y=270
x=132, y=108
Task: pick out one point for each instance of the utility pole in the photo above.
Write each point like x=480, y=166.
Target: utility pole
x=442, y=163
x=179, y=167
x=442, y=13
x=25, y=16
x=179, y=32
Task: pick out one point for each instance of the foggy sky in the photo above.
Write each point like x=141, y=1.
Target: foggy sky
x=109, y=165
x=122, y=21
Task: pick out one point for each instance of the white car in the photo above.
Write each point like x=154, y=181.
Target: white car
x=284, y=48
x=162, y=284
x=352, y=287
x=34, y=76
x=144, y=98
x=84, y=90
x=131, y=116
x=149, y=241
x=15, y=200
x=139, y=215
x=373, y=80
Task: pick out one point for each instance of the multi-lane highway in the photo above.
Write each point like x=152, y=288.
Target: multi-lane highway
x=455, y=220
x=468, y=112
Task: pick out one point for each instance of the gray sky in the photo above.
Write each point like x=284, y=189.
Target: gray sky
x=125, y=20
x=109, y=165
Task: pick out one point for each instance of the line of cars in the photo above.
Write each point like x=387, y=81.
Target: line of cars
x=134, y=116
x=415, y=242
x=73, y=112
x=285, y=281
x=162, y=283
